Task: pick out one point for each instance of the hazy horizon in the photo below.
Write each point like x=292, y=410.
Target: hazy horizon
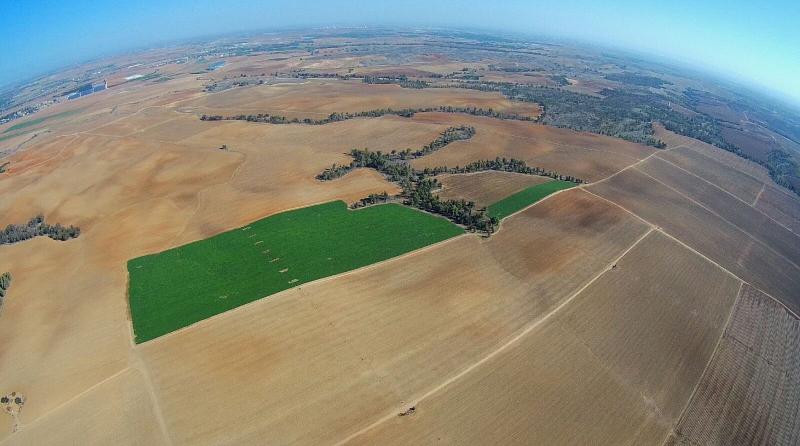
x=754, y=46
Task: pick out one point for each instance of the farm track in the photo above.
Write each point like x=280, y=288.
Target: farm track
x=750, y=393
x=508, y=344
x=138, y=364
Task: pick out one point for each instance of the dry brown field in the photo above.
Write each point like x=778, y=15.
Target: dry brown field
x=117, y=411
x=319, y=98
x=588, y=156
x=742, y=185
x=747, y=218
x=781, y=206
x=704, y=231
x=485, y=188
x=732, y=162
x=615, y=365
x=751, y=391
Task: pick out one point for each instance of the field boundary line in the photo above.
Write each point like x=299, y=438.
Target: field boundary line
x=621, y=207
x=630, y=166
x=763, y=186
x=747, y=174
x=500, y=226
x=287, y=291
x=660, y=229
x=94, y=386
x=559, y=145
x=751, y=236
x=155, y=403
x=508, y=344
x=708, y=364
x=770, y=183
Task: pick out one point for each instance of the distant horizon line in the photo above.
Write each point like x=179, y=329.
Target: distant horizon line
x=753, y=87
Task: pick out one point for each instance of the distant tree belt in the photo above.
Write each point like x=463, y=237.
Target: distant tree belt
x=4, y=166
x=638, y=79
x=362, y=158
x=629, y=116
x=5, y=284
x=377, y=113
x=35, y=227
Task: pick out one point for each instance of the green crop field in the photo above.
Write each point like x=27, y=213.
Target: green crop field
x=37, y=121
x=526, y=197
x=178, y=287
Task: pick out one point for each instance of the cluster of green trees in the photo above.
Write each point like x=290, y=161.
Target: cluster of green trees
x=781, y=168
x=392, y=164
x=401, y=80
x=500, y=164
x=419, y=185
x=638, y=79
x=560, y=80
x=460, y=211
x=514, y=69
x=5, y=284
x=452, y=134
x=333, y=172
x=376, y=113
x=614, y=113
x=4, y=166
x=37, y=227
x=382, y=197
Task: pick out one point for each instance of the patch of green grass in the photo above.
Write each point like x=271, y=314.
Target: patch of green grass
x=37, y=121
x=526, y=197
x=184, y=285
x=5, y=137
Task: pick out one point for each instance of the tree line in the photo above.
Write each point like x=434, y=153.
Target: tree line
x=35, y=227
x=629, y=115
x=5, y=284
x=390, y=163
x=376, y=113
x=371, y=199
x=501, y=164
x=459, y=211
x=401, y=80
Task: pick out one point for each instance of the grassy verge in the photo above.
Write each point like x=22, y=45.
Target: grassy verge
x=178, y=287
x=526, y=197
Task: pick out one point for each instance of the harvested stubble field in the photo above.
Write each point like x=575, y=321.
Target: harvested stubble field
x=704, y=231
x=750, y=393
x=318, y=99
x=184, y=285
x=622, y=358
x=781, y=206
x=485, y=188
x=742, y=215
x=583, y=155
x=526, y=197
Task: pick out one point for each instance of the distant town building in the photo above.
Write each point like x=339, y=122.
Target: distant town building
x=85, y=89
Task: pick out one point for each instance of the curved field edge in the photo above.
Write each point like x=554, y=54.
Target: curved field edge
x=526, y=197
x=178, y=287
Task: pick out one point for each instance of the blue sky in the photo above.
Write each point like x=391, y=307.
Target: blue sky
x=757, y=43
